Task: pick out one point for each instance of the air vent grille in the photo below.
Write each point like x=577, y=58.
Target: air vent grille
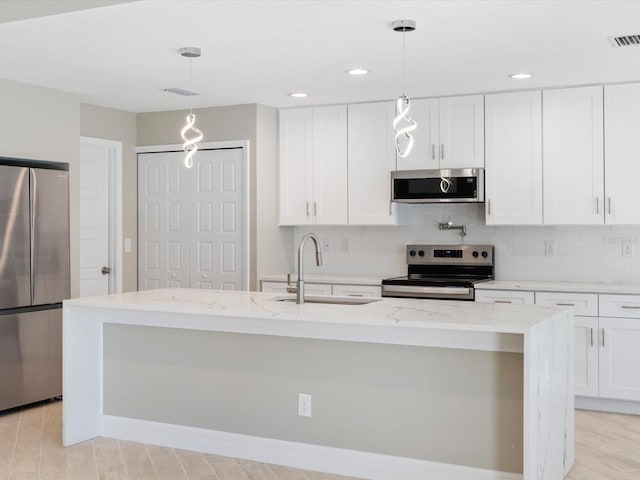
x=181, y=91
x=625, y=40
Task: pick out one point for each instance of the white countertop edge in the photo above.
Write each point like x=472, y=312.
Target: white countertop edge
x=577, y=287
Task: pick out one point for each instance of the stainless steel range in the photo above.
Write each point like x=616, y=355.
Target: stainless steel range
x=442, y=271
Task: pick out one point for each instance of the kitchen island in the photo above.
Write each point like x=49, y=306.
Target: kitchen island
x=401, y=388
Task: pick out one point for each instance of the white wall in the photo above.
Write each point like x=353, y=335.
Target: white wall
x=583, y=253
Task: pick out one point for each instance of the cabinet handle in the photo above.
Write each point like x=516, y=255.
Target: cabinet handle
x=566, y=304
x=307, y=209
x=597, y=205
x=603, y=337
x=433, y=151
x=591, y=334
x=355, y=295
x=630, y=306
x=502, y=301
x=609, y=200
x=442, y=151
x=390, y=207
x=489, y=206
x=315, y=209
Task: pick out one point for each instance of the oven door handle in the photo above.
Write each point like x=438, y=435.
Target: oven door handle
x=431, y=290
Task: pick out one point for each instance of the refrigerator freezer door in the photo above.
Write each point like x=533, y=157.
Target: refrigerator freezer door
x=15, y=285
x=30, y=357
x=50, y=236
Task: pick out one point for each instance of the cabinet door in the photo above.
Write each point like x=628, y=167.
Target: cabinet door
x=371, y=160
x=462, y=132
x=619, y=358
x=163, y=221
x=426, y=147
x=330, y=165
x=515, y=297
x=622, y=150
x=586, y=356
x=513, y=174
x=573, y=156
x=295, y=166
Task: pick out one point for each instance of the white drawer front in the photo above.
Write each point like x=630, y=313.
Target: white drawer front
x=505, y=296
x=273, y=287
x=585, y=304
x=357, y=290
x=309, y=288
x=624, y=306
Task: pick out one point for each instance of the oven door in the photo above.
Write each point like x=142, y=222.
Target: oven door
x=436, y=186
x=434, y=292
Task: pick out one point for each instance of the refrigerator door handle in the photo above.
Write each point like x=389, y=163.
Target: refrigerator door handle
x=32, y=216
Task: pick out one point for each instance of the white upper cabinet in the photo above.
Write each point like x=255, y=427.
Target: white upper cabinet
x=513, y=178
x=573, y=156
x=450, y=133
x=313, y=166
x=622, y=153
x=425, y=154
x=462, y=132
x=371, y=160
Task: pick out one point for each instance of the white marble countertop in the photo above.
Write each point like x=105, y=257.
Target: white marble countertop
x=331, y=279
x=580, y=287
x=387, y=312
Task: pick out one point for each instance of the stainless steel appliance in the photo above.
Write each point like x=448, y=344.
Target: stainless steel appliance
x=442, y=272
x=462, y=185
x=34, y=278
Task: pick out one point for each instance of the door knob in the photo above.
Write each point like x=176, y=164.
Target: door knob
x=105, y=270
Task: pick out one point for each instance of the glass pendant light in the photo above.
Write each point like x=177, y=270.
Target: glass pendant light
x=403, y=124
x=190, y=145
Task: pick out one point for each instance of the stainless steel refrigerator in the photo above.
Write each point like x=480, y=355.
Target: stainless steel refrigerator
x=34, y=279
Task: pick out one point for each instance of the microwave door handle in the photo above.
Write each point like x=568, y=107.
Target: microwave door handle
x=433, y=151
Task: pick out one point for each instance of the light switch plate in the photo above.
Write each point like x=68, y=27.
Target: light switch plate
x=127, y=245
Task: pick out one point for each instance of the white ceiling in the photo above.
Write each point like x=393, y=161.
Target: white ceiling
x=122, y=55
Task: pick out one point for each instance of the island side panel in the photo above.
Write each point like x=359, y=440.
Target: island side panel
x=451, y=406
x=82, y=374
x=549, y=399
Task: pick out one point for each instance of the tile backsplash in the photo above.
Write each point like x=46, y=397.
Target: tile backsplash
x=581, y=253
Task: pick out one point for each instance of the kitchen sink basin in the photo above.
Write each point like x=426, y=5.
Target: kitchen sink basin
x=330, y=300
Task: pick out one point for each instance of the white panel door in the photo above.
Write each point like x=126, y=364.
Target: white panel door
x=329, y=170
x=163, y=221
x=586, y=356
x=619, y=358
x=513, y=176
x=622, y=151
x=94, y=219
x=462, y=131
x=216, y=243
x=573, y=156
x=295, y=166
x=371, y=160
x=426, y=147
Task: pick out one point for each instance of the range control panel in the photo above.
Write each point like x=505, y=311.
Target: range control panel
x=449, y=254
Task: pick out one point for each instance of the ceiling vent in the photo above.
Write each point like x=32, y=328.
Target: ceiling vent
x=625, y=40
x=181, y=91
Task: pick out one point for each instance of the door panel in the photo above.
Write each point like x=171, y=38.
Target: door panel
x=586, y=356
x=619, y=358
x=15, y=283
x=50, y=229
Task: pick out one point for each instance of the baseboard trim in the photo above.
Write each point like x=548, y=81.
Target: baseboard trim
x=608, y=405
x=339, y=461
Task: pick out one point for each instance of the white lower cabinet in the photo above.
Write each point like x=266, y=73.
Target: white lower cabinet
x=337, y=290
x=586, y=356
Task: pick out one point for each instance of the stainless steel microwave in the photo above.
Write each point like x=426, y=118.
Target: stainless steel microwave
x=436, y=186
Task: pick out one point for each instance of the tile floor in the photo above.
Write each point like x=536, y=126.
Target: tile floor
x=607, y=448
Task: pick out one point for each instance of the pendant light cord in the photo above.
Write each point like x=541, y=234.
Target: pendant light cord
x=404, y=63
x=191, y=81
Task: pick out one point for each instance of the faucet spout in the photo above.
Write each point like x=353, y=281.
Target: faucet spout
x=300, y=283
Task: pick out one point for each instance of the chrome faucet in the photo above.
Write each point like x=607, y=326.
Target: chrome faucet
x=299, y=288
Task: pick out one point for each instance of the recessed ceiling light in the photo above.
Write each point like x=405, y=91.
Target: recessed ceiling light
x=520, y=76
x=298, y=95
x=357, y=71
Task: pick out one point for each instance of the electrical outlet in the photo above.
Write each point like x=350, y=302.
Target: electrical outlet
x=346, y=245
x=304, y=405
x=550, y=248
x=326, y=245
x=627, y=248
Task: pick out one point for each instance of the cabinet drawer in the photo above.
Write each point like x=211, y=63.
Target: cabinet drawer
x=585, y=304
x=309, y=288
x=624, y=306
x=357, y=290
x=505, y=296
x=273, y=287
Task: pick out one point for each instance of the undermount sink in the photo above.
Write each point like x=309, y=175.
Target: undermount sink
x=331, y=300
